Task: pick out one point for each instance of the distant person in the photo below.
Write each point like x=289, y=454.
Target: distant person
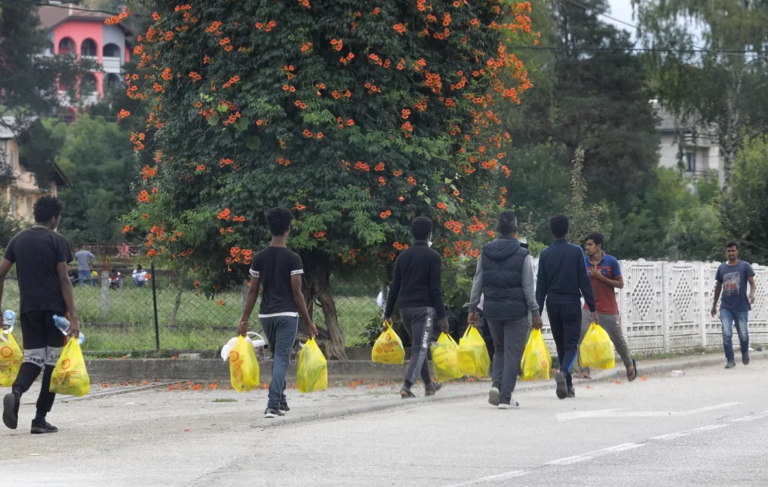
x=139, y=276
x=505, y=277
x=417, y=290
x=84, y=259
x=41, y=256
x=605, y=276
x=278, y=270
x=114, y=279
x=562, y=281
x=732, y=278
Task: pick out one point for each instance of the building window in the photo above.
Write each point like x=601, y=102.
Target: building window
x=14, y=159
x=690, y=161
x=88, y=48
x=111, y=50
x=67, y=46
x=29, y=206
x=14, y=205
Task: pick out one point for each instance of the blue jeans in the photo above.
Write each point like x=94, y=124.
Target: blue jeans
x=85, y=275
x=727, y=319
x=138, y=282
x=280, y=333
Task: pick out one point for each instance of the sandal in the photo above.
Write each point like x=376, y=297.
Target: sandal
x=634, y=372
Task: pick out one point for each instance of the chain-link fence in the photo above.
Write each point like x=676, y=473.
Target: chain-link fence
x=119, y=316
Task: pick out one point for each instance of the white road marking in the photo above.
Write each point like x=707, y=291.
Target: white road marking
x=711, y=427
x=617, y=413
x=591, y=455
x=618, y=448
x=751, y=417
x=492, y=478
x=670, y=436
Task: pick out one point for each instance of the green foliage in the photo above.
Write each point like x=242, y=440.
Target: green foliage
x=584, y=218
x=672, y=221
x=362, y=120
x=744, y=211
x=9, y=225
x=98, y=158
x=596, y=100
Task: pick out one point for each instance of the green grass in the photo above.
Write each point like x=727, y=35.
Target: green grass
x=127, y=322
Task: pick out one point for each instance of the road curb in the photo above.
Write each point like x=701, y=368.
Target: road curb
x=616, y=373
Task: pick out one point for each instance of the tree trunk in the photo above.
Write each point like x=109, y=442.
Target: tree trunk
x=317, y=288
x=177, y=303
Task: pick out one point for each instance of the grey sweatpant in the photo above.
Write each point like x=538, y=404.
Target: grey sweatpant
x=418, y=323
x=509, y=337
x=612, y=325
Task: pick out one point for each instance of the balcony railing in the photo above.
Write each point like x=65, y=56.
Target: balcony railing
x=112, y=64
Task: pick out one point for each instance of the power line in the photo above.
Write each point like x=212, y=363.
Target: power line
x=80, y=9
x=625, y=49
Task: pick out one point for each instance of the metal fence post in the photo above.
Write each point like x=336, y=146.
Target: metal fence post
x=104, y=293
x=154, y=304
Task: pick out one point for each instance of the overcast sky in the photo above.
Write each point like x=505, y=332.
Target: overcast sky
x=622, y=10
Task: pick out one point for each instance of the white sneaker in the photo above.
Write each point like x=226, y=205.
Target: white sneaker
x=512, y=404
x=493, y=396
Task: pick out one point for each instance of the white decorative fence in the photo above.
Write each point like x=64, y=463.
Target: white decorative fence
x=665, y=306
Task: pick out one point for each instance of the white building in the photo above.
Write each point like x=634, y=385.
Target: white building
x=693, y=150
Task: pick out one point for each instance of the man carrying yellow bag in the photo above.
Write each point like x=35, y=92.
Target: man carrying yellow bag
x=41, y=256
x=279, y=271
x=417, y=290
x=505, y=274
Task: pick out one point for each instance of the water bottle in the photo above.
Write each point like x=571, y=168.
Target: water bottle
x=64, y=325
x=9, y=319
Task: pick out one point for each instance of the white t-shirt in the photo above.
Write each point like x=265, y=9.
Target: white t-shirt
x=140, y=275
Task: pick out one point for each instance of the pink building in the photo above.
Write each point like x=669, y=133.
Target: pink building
x=85, y=35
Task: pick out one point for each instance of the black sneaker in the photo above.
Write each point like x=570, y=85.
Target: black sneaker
x=272, y=413
x=284, y=407
x=42, y=427
x=745, y=358
x=571, y=392
x=11, y=410
x=405, y=393
x=431, y=389
x=731, y=364
x=562, y=388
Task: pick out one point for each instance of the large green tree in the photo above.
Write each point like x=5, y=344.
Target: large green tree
x=745, y=208
x=359, y=117
x=99, y=157
x=709, y=65
x=597, y=100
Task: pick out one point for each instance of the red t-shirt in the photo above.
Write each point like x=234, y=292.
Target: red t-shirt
x=605, y=296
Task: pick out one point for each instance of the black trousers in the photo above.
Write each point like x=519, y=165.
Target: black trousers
x=43, y=343
x=565, y=322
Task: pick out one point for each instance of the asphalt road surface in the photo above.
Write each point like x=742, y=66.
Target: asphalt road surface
x=709, y=427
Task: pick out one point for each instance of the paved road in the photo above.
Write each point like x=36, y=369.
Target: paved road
x=709, y=427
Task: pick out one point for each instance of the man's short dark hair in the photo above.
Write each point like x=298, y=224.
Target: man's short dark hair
x=138, y=267
x=596, y=238
x=279, y=220
x=732, y=244
x=421, y=227
x=507, y=223
x=559, y=224
x=46, y=208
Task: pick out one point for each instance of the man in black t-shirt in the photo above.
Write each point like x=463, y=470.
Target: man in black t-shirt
x=278, y=270
x=41, y=256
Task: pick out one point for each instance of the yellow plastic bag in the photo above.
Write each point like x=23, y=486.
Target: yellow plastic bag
x=474, y=360
x=70, y=376
x=388, y=348
x=596, y=349
x=445, y=358
x=312, y=372
x=243, y=366
x=11, y=358
x=537, y=362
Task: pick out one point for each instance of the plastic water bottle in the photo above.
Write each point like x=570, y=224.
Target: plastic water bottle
x=64, y=325
x=9, y=319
